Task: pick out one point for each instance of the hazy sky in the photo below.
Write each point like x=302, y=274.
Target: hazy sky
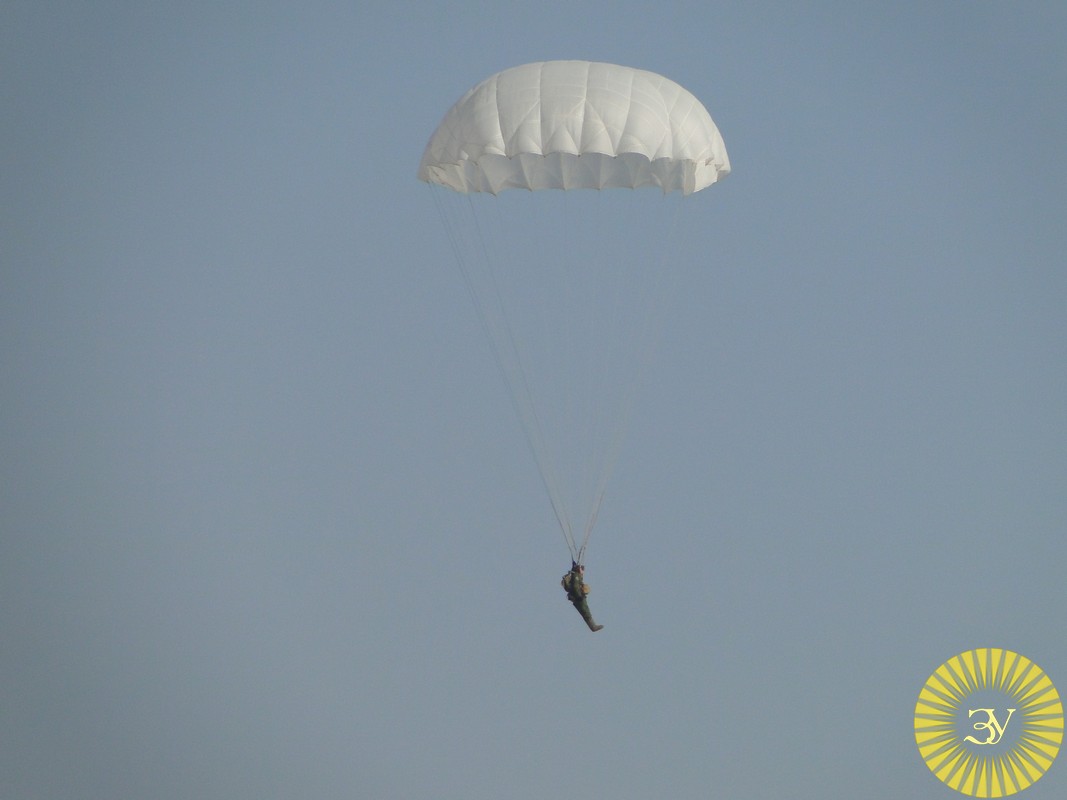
x=269, y=527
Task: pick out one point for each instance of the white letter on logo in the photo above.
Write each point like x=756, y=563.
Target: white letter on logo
x=992, y=724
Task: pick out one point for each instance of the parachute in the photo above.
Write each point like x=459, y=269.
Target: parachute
x=568, y=284
x=575, y=125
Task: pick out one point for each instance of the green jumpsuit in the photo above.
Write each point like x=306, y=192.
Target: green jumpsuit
x=576, y=590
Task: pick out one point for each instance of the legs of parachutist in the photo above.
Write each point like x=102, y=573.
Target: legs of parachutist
x=587, y=615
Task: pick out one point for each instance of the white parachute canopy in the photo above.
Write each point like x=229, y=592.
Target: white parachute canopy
x=569, y=285
x=575, y=125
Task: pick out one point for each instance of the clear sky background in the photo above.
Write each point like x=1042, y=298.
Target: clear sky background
x=268, y=525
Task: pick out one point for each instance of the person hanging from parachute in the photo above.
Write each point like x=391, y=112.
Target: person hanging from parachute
x=577, y=589
x=568, y=126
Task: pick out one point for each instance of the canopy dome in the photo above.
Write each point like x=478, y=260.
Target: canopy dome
x=575, y=125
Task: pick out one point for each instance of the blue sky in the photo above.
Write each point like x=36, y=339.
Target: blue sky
x=269, y=527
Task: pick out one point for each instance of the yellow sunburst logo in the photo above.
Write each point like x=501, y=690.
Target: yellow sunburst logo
x=989, y=722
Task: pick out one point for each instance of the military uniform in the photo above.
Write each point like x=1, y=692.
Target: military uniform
x=576, y=589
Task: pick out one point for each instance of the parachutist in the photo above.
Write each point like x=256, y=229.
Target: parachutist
x=577, y=589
